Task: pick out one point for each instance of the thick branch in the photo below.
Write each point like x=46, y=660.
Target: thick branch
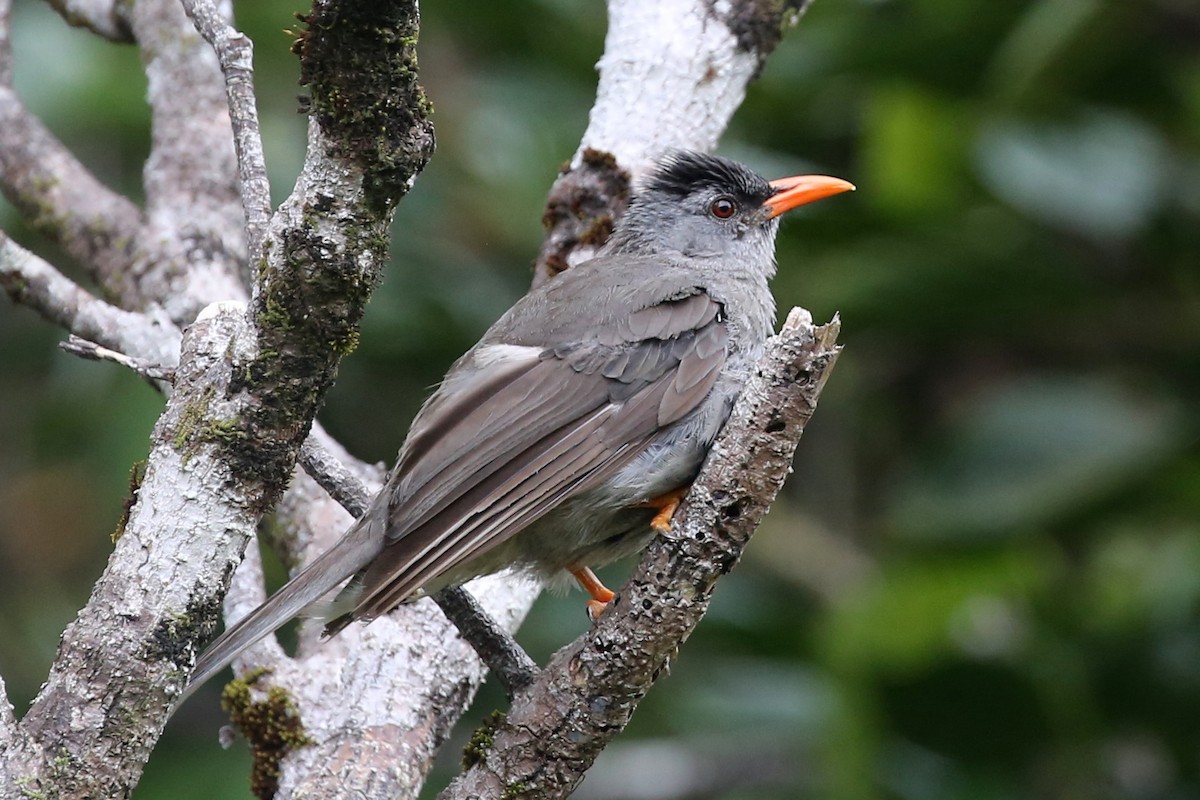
x=589, y=692
x=129, y=650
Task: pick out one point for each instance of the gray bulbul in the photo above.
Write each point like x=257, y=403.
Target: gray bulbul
x=570, y=432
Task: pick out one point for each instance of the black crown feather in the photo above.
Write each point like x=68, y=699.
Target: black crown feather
x=683, y=172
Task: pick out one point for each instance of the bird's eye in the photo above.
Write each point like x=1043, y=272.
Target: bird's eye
x=722, y=208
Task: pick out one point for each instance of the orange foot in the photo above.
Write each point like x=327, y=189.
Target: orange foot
x=666, y=505
x=601, y=594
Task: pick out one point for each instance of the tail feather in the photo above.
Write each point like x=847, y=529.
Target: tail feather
x=348, y=556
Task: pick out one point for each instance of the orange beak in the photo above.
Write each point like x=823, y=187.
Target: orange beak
x=796, y=191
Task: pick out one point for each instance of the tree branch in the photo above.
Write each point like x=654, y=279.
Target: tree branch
x=588, y=693
x=228, y=438
x=506, y=659
x=58, y=195
x=105, y=18
x=195, y=248
x=32, y=282
x=235, y=53
x=129, y=651
x=672, y=74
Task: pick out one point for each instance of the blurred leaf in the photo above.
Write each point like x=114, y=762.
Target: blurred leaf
x=1102, y=174
x=1138, y=577
x=1036, y=42
x=920, y=612
x=1028, y=452
x=913, y=151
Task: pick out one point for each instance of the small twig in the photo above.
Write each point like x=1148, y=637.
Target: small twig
x=30, y=281
x=235, y=52
x=78, y=346
x=507, y=660
x=332, y=475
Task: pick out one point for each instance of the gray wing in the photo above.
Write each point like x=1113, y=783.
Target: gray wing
x=532, y=428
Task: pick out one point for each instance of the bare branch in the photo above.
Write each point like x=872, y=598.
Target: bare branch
x=334, y=476
x=589, y=691
x=506, y=659
x=59, y=196
x=8, y=728
x=235, y=53
x=192, y=201
x=103, y=17
x=128, y=652
x=94, y=352
x=32, y=282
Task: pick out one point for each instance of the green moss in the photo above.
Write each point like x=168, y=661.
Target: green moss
x=136, y=473
x=359, y=60
x=482, y=740
x=189, y=420
x=177, y=635
x=272, y=728
x=224, y=431
x=29, y=789
x=516, y=790
x=349, y=344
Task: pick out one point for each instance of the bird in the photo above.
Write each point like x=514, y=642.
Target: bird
x=566, y=437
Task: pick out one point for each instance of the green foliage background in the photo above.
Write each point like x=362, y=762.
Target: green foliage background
x=983, y=580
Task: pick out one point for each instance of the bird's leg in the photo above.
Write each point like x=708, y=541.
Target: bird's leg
x=666, y=505
x=601, y=594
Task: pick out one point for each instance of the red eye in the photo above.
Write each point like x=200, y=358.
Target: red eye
x=722, y=208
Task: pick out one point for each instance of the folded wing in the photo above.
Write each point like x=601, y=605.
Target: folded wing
x=533, y=428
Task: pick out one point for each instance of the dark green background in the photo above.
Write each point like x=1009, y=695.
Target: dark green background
x=983, y=580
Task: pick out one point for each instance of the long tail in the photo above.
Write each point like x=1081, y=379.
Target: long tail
x=349, y=555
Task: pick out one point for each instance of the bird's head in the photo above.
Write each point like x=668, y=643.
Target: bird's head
x=705, y=206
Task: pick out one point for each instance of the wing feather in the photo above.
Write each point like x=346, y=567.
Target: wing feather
x=528, y=433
